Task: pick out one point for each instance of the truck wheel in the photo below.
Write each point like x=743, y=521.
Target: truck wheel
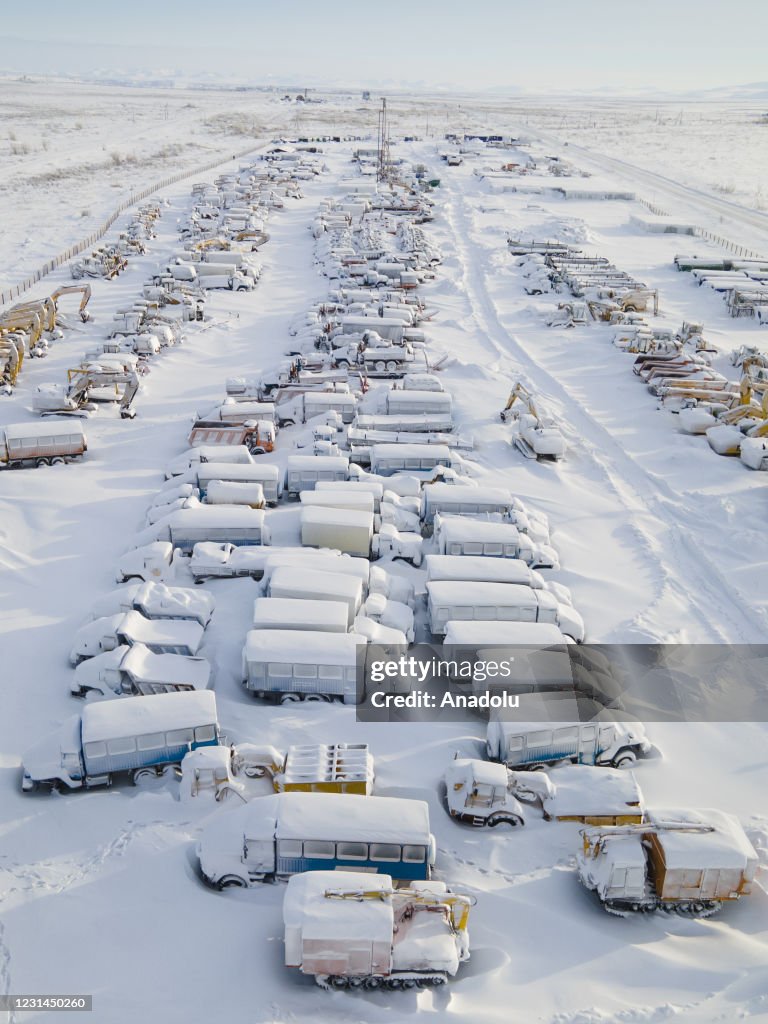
x=625, y=759
x=42, y=462
x=380, y=366
x=343, y=364
x=58, y=461
x=143, y=775
x=513, y=820
x=232, y=882
x=391, y=365
x=289, y=698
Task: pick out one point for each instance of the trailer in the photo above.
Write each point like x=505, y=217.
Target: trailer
x=310, y=768
x=157, y=601
x=688, y=862
x=51, y=443
x=136, y=671
x=141, y=738
x=286, y=833
x=348, y=530
x=358, y=931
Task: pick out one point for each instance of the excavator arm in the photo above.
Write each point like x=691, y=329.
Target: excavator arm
x=85, y=289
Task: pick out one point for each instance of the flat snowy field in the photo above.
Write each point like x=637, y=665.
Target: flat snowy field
x=660, y=540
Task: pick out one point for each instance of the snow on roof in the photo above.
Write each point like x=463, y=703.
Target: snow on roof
x=276, y=612
x=166, y=668
x=329, y=398
x=498, y=634
x=323, y=515
x=158, y=596
x=410, y=451
x=306, y=907
x=477, y=568
x=154, y=631
x=322, y=463
x=585, y=790
x=312, y=581
x=445, y=593
x=486, y=773
x=359, y=499
x=46, y=428
x=726, y=846
x=209, y=516
x=375, y=633
x=457, y=494
x=459, y=528
x=158, y=713
x=371, y=486
x=429, y=398
x=302, y=647
x=381, y=818
x=235, y=471
x=325, y=559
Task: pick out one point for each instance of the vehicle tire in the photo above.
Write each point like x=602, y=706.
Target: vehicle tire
x=343, y=364
x=58, y=461
x=142, y=775
x=315, y=698
x=504, y=819
x=380, y=366
x=289, y=698
x=391, y=365
x=231, y=882
x=42, y=461
x=625, y=759
x=338, y=982
x=630, y=309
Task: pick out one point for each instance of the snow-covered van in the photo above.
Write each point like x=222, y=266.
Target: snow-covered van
x=318, y=666
x=464, y=601
x=373, y=487
x=136, y=671
x=286, y=833
x=263, y=473
x=459, y=535
x=140, y=737
x=223, y=524
x=303, y=472
x=49, y=443
x=419, y=459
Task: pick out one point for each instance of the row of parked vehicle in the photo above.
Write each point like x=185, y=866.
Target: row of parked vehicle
x=320, y=600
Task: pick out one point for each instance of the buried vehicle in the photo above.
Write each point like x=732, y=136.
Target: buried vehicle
x=354, y=930
x=157, y=601
x=139, y=737
x=133, y=671
x=286, y=833
x=689, y=862
x=161, y=636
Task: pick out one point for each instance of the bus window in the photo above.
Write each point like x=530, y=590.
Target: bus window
x=352, y=851
x=319, y=848
x=151, y=741
x=289, y=848
x=385, y=851
x=95, y=749
x=414, y=854
x=124, y=745
x=205, y=733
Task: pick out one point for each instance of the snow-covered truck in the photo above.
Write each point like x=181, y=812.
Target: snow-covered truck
x=462, y=535
x=317, y=585
x=304, y=471
x=41, y=444
x=418, y=459
x=161, y=636
x=407, y=402
x=287, y=833
x=348, y=530
x=139, y=737
x=238, y=525
x=536, y=744
x=352, y=930
x=156, y=601
x=689, y=862
x=463, y=601
x=317, y=666
x=137, y=671
x=482, y=569
x=153, y=561
x=297, y=614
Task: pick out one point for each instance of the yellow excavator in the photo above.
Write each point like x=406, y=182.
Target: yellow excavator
x=74, y=398
x=537, y=436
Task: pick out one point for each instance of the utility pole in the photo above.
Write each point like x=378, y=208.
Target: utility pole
x=382, y=169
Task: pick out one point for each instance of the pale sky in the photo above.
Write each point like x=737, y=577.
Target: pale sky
x=530, y=44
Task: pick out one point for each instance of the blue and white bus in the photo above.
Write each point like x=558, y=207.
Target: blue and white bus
x=287, y=833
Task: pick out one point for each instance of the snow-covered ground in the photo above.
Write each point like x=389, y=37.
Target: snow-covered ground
x=660, y=540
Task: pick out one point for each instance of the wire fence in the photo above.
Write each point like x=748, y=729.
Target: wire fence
x=135, y=197
x=726, y=243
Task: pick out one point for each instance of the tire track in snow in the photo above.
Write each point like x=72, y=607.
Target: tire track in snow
x=5, y=970
x=686, y=574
